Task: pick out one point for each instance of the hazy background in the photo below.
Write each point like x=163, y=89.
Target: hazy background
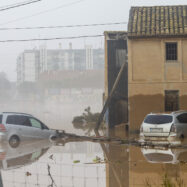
x=62, y=12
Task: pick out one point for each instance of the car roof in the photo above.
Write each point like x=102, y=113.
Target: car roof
x=16, y=113
x=165, y=113
x=169, y=113
x=179, y=112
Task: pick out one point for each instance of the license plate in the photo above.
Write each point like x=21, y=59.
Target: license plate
x=156, y=129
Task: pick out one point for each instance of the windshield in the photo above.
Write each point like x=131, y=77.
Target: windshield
x=158, y=119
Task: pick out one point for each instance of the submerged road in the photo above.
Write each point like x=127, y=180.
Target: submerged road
x=63, y=138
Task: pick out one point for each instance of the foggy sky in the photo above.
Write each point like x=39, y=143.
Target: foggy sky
x=83, y=12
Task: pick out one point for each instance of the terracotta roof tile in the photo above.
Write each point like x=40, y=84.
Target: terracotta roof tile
x=158, y=21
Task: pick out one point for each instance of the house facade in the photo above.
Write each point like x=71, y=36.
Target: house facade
x=157, y=61
x=157, y=81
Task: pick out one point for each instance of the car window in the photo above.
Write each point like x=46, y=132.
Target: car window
x=44, y=126
x=158, y=119
x=35, y=123
x=182, y=118
x=18, y=120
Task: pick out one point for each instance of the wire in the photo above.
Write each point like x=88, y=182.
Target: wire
x=48, y=39
x=5, y=6
x=63, y=26
x=42, y=12
x=18, y=5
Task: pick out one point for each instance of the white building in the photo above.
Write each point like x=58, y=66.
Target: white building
x=89, y=57
x=43, y=59
x=26, y=67
x=31, y=63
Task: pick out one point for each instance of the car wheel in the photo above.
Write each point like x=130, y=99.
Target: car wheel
x=14, y=141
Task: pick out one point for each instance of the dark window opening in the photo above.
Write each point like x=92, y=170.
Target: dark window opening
x=171, y=51
x=171, y=100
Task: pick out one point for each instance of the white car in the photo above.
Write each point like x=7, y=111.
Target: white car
x=171, y=127
x=16, y=127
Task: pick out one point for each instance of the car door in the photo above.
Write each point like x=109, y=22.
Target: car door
x=38, y=130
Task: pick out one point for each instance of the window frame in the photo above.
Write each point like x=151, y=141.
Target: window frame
x=167, y=101
x=166, y=50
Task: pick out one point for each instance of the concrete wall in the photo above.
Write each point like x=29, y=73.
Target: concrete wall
x=149, y=75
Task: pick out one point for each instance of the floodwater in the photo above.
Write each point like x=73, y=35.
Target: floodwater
x=47, y=165
x=86, y=164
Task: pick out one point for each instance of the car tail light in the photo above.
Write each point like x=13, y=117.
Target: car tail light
x=173, y=128
x=2, y=128
x=2, y=155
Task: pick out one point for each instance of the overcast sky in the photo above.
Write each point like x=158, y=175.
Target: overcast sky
x=62, y=12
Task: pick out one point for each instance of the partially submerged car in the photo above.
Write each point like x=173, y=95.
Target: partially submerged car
x=171, y=127
x=16, y=127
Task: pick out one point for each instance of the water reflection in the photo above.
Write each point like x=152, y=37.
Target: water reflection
x=170, y=155
x=26, y=153
x=85, y=164
x=41, y=164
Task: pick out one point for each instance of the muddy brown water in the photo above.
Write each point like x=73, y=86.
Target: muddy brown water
x=87, y=164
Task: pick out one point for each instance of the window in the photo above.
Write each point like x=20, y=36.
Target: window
x=171, y=51
x=182, y=118
x=35, y=123
x=171, y=100
x=18, y=120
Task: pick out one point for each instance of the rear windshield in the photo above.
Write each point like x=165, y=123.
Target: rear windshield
x=158, y=119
